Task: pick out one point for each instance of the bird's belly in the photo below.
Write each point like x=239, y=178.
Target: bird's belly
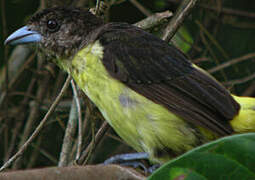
x=144, y=125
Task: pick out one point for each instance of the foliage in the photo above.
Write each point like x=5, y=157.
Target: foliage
x=227, y=158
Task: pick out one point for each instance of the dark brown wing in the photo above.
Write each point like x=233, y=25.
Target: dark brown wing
x=163, y=74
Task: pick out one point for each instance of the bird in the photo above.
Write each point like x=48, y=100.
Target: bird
x=150, y=93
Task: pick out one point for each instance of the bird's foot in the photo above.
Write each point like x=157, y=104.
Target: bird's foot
x=132, y=160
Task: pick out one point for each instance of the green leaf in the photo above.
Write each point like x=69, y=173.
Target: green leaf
x=184, y=173
x=230, y=157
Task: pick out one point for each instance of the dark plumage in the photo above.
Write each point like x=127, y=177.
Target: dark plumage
x=71, y=30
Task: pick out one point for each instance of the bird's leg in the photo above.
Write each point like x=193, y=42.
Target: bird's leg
x=132, y=159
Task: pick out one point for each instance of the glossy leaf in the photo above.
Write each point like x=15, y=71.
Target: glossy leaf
x=226, y=158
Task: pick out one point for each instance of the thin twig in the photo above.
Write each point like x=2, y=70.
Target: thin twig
x=114, y=2
x=77, y=101
x=44, y=153
x=204, y=40
x=182, y=12
x=13, y=81
x=153, y=20
x=6, y=62
x=42, y=4
x=35, y=152
x=39, y=127
x=229, y=11
x=4, y=34
x=250, y=90
x=222, y=10
x=240, y=81
x=231, y=62
x=21, y=70
x=69, y=136
x=88, y=111
x=93, y=142
x=60, y=79
x=140, y=7
x=97, y=7
x=20, y=116
x=33, y=113
x=199, y=60
x=212, y=39
x=100, y=133
x=12, y=142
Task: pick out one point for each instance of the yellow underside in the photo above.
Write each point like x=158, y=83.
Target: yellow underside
x=143, y=124
x=245, y=120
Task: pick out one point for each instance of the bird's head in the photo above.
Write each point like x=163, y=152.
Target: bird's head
x=59, y=31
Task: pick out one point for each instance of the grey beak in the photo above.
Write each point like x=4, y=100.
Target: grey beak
x=22, y=36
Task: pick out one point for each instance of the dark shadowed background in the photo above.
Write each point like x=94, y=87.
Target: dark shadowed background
x=216, y=32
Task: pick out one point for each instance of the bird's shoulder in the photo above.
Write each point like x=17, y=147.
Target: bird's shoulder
x=134, y=56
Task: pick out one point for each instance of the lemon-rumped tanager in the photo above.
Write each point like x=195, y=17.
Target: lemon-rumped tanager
x=147, y=90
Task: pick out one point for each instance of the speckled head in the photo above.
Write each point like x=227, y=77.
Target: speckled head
x=58, y=31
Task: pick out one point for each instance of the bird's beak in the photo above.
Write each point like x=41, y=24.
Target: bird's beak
x=22, y=36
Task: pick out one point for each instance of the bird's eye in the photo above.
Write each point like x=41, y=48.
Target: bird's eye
x=52, y=25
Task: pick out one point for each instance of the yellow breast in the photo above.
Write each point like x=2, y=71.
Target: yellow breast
x=144, y=125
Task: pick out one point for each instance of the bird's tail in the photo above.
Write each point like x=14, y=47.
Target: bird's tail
x=245, y=120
